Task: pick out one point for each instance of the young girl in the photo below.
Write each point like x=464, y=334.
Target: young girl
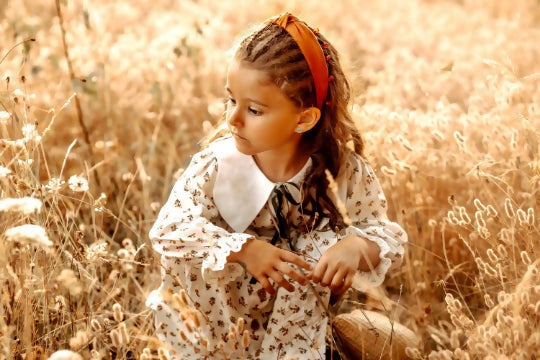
x=251, y=236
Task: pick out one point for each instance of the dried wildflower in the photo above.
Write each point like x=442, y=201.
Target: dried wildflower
x=489, y=302
x=59, y=303
x=65, y=355
x=155, y=206
x=535, y=166
x=124, y=336
x=480, y=219
x=525, y=298
x=54, y=184
x=388, y=171
x=17, y=93
x=502, y=250
x=522, y=217
x=127, y=176
x=115, y=338
x=118, y=314
x=492, y=256
x=30, y=133
x=489, y=270
x=340, y=206
x=464, y=216
x=509, y=208
x=525, y=258
x=460, y=139
x=79, y=340
x=100, y=202
x=4, y=172
x=530, y=216
x=4, y=117
x=452, y=218
x=491, y=211
x=96, y=250
x=68, y=279
x=78, y=184
x=404, y=142
x=413, y=353
x=95, y=325
x=32, y=234
x=479, y=205
x=25, y=205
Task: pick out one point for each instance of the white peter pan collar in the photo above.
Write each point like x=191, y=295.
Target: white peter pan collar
x=241, y=189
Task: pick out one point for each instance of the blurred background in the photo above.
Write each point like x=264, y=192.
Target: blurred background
x=103, y=102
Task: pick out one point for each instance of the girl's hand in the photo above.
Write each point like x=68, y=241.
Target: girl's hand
x=339, y=263
x=265, y=261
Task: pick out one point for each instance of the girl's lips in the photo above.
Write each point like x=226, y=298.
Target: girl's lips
x=238, y=136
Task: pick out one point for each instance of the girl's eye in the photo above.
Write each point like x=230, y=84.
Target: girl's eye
x=231, y=100
x=255, y=112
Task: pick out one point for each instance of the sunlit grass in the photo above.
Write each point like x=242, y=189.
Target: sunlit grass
x=447, y=96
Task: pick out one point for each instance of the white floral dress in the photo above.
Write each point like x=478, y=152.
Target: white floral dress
x=222, y=200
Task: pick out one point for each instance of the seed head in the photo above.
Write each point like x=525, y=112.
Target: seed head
x=25, y=205
x=78, y=184
x=32, y=234
x=509, y=208
x=118, y=314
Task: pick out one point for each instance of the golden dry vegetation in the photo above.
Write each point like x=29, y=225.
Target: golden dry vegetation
x=94, y=131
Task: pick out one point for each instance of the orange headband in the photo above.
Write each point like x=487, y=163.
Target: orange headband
x=312, y=51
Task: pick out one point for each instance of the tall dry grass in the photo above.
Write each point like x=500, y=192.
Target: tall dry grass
x=450, y=113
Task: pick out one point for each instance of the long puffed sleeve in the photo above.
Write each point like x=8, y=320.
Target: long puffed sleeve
x=189, y=225
x=366, y=206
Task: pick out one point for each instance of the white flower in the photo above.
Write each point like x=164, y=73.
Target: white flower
x=33, y=234
x=78, y=184
x=4, y=117
x=69, y=280
x=17, y=92
x=65, y=355
x=96, y=250
x=26, y=205
x=30, y=133
x=55, y=184
x=4, y=172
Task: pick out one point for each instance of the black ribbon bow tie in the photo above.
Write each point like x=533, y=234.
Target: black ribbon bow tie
x=281, y=211
x=279, y=198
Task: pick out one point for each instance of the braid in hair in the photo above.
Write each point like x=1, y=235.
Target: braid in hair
x=271, y=49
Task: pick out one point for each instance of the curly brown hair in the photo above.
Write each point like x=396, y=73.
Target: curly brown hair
x=272, y=49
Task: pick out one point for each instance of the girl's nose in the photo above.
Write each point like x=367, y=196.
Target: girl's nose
x=234, y=118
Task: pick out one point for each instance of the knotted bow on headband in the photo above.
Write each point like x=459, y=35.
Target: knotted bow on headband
x=312, y=51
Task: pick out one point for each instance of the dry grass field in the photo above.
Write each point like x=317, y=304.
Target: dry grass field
x=103, y=102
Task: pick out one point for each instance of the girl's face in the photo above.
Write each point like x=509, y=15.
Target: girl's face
x=259, y=115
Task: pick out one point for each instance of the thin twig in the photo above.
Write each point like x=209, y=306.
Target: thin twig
x=72, y=78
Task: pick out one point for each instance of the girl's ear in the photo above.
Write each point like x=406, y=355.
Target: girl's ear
x=309, y=117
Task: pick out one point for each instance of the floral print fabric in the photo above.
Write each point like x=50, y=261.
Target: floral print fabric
x=194, y=242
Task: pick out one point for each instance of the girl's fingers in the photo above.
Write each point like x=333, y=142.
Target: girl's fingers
x=338, y=279
x=281, y=281
x=317, y=274
x=266, y=285
x=346, y=284
x=328, y=276
x=292, y=258
x=285, y=269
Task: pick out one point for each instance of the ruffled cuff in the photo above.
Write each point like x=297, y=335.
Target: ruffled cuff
x=216, y=268
x=375, y=277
